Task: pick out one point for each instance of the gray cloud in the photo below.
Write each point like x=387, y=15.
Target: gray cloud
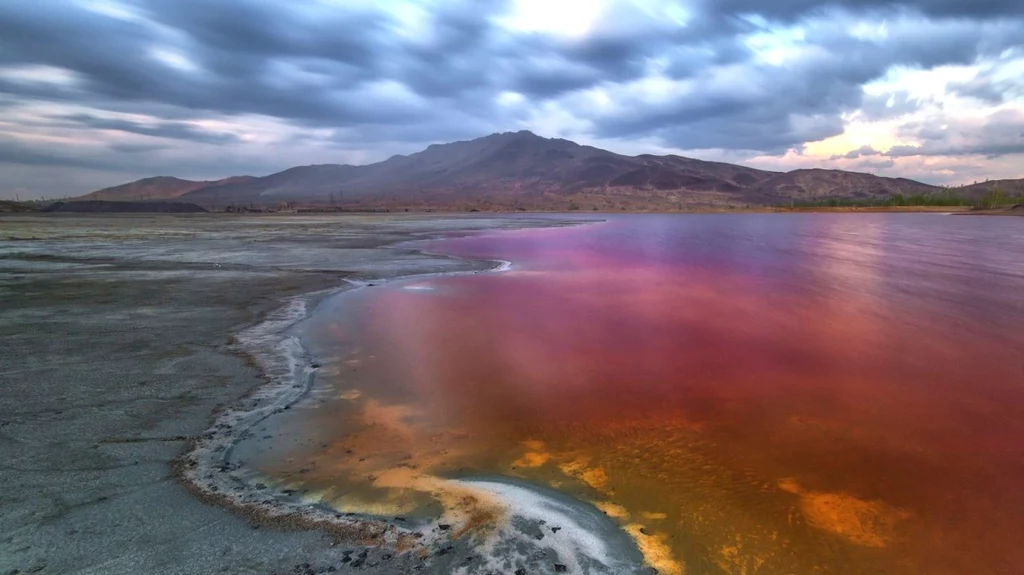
x=888, y=106
x=793, y=9
x=137, y=148
x=858, y=153
x=874, y=165
x=348, y=71
x=999, y=134
x=170, y=130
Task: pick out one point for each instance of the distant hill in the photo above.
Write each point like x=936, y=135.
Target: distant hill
x=1009, y=187
x=520, y=170
x=817, y=184
x=157, y=188
x=107, y=207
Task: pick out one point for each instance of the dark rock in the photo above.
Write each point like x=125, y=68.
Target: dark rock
x=559, y=568
x=100, y=206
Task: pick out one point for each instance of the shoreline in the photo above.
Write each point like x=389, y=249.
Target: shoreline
x=288, y=369
x=443, y=213
x=149, y=308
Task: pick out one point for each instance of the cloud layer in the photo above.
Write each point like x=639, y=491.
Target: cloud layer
x=96, y=92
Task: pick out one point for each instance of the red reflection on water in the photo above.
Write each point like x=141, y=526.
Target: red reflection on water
x=814, y=369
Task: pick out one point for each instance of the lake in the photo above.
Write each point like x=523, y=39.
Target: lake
x=748, y=393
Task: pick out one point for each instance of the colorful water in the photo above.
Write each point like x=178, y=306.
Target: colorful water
x=738, y=393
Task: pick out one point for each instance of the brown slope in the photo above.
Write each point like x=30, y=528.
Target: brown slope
x=818, y=184
x=975, y=191
x=156, y=188
x=505, y=168
x=520, y=169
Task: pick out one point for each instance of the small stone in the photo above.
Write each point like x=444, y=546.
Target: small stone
x=559, y=568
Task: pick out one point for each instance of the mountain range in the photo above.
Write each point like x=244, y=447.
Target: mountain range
x=520, y=170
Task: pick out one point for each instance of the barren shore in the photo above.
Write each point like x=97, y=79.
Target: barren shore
x=119, y=346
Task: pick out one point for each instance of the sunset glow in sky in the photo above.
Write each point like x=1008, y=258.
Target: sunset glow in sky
x=99, y=92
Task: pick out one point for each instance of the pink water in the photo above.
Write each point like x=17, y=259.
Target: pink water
x=743, y=394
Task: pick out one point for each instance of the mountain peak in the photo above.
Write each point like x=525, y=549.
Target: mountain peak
x=523, y=170
x=518, y=134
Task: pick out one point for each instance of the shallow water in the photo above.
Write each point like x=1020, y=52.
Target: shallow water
x=739, y=393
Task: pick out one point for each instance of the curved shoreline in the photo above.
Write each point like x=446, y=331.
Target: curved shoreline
x=205, y=468
x=211, y=474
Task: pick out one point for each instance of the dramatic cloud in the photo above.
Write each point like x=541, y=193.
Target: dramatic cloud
x=102, y=91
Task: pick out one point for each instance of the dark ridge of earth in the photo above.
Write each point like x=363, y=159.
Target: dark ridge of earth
x=9, y=206
x=524, y=171
x=106, y=207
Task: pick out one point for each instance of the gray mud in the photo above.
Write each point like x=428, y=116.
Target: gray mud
x=118, y=344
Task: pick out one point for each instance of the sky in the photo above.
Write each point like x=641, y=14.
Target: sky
x=96, y=93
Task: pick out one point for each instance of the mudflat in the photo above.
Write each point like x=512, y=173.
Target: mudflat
x=116, y=350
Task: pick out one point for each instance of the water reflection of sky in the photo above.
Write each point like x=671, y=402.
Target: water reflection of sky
x=859, y=372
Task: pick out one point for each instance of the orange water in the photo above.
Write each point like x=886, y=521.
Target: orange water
x=744, y=394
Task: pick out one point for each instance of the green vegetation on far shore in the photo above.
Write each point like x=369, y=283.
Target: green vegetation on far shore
x=993, y=199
